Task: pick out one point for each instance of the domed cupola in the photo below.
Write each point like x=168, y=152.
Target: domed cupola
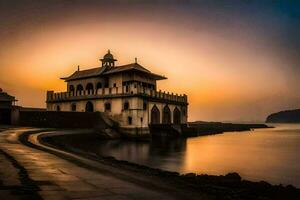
x=108, y=60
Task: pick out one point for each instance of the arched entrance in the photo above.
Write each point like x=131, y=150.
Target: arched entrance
x=89, y=107
x=155, y=115
x=166, y=115
x=176, y=116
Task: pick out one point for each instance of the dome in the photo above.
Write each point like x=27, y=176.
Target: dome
x=108, y=59
x=108, y=55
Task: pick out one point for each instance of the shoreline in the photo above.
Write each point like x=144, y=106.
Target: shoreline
x=210, y=128
x=231, y=184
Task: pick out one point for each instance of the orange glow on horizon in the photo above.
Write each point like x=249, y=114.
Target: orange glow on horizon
x=219, y=74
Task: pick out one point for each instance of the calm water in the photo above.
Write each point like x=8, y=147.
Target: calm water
x=263, y=154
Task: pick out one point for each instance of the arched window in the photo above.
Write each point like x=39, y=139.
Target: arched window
x=166, y=115
x=129, y=120
x=57, y=108
x=176, y=116
x=71, y=88
x=99, y=85
x=107, y=106
x=73, y=107
x=155, y=115
x=184, y=111
x=89, y=107
x=126, y=105
x=79, y=89
x=144, y=105
x=90, y=88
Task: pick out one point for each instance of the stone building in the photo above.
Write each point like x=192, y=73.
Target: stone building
x=127, y=94
x=6, y=104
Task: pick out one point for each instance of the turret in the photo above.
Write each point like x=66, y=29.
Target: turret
x=108, y=60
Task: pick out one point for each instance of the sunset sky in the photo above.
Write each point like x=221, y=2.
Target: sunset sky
x=236, y=60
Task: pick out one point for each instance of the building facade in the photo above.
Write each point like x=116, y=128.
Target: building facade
x=127, y=94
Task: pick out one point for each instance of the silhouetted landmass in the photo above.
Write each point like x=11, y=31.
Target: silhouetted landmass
x=199, y=128
x=288, y=116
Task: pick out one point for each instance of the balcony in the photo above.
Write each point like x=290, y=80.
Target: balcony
x=115, y=92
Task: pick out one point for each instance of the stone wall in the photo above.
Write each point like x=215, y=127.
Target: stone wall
x=5, y=115
x=51, y=119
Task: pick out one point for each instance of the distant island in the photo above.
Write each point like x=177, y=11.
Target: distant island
x=288, y=116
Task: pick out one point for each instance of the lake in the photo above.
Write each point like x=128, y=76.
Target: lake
x=272, y=155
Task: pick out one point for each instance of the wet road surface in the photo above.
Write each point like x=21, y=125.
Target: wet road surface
x=58, y=178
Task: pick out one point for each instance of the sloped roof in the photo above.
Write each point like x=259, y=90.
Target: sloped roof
x=85, y=74
x=133, y=66
x=107, y=71
x=5, y=97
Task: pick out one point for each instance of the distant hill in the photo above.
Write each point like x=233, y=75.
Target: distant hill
x=288, y=116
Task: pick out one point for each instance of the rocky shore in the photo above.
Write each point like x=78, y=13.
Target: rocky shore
x=230, y=186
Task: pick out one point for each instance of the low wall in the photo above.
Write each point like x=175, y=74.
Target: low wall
x=50, y=119
x=5, y=116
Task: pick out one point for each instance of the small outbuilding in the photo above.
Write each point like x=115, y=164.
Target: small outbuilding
x=6, y=103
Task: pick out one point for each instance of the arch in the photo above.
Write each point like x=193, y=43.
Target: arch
x=57, y=108
x=176, y=116
x=90, y=88
x=166, y=119
x=99, y=85
x=73, y=107
x=155, y=115
x=71, y=88
x=89, y=107
x=129, y=120
x=107, y=106
x=79, y=89
x=144, y=105
x=126, y=105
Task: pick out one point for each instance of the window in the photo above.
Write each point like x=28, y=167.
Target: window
x=183, y=111
x=134, y=85
x=71, y=88
x=107, y=107
x=129, y=120
x=142, y=120
x=127, y=88
x=145, y=105
x=57, y=108
x=126, y=105
x=99, y=85
x=115, y=85
x=79, y=89
x=73, y=107
x=90, y=88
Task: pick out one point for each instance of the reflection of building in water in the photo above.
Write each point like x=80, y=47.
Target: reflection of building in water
x=127, y=93
x=165, y=154
x=6, y=104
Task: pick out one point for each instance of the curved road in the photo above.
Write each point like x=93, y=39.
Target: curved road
x=59, y=178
